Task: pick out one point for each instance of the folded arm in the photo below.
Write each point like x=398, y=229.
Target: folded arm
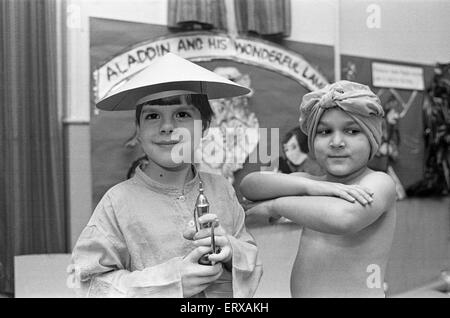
x=259, y=186
x=332, y=214
x=265, y=186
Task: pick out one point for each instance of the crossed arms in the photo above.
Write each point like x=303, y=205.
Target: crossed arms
x=322, y=206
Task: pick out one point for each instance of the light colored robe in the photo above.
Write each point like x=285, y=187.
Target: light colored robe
x=133, y=244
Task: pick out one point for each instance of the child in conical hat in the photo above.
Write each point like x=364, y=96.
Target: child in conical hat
x=140, y=240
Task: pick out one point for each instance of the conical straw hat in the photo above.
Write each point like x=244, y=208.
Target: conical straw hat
x=170, y=75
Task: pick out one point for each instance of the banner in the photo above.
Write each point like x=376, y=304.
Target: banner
x=199, y=46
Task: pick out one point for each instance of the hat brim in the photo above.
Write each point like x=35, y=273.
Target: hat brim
x=170, y=73
x=127, y=100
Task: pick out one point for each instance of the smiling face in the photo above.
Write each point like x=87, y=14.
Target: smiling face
x=163, y=127
x=340, y=145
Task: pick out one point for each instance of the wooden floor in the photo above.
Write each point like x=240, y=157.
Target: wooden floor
x=278, y=244
x=421, y=247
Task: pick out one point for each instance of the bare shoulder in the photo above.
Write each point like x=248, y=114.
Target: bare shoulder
x=378, y=178
x=381, y=184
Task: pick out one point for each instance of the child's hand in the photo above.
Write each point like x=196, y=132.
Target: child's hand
x=203, y=238
x=351, y=193
x=195, y=277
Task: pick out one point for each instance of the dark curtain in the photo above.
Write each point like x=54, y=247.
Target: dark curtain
x=261, y=17
x=264, y=17
x=188, y=14
x=33, y=216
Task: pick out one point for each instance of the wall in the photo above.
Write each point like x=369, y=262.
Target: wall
x=414, y=31
x=408, y=28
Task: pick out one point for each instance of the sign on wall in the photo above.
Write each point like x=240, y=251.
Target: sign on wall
x=199, y=47
x=397, y=76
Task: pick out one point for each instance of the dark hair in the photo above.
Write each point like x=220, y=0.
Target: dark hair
x=301, y=138
x=199, y=101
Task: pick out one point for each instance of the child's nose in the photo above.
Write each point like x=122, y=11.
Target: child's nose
x=167, y=127
x=337, y=140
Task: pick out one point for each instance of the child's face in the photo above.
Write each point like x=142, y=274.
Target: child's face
x=159, y=128
x=340, y=145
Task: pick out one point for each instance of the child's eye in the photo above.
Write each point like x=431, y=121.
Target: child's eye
x=183, y=115
x=323, y=132
x=353, y=131
x=151, y=116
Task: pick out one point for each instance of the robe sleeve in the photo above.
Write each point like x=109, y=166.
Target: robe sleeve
x=100, y=260
x=246, y=268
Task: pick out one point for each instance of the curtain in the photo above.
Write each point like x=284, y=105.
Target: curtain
x=264, y=17
x=187, y=14
x=33, y=216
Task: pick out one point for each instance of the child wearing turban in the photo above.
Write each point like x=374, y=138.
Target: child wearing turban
x=348, y=215
x=357, y=100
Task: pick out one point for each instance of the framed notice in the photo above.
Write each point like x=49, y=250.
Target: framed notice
x=397, y=76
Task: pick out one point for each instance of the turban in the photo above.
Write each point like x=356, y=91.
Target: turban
x=355, y=99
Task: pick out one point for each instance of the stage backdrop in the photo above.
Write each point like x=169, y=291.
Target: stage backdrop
x=401, y=88
x=277, y=93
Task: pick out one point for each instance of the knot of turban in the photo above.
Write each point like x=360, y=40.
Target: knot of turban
x=355, y=99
